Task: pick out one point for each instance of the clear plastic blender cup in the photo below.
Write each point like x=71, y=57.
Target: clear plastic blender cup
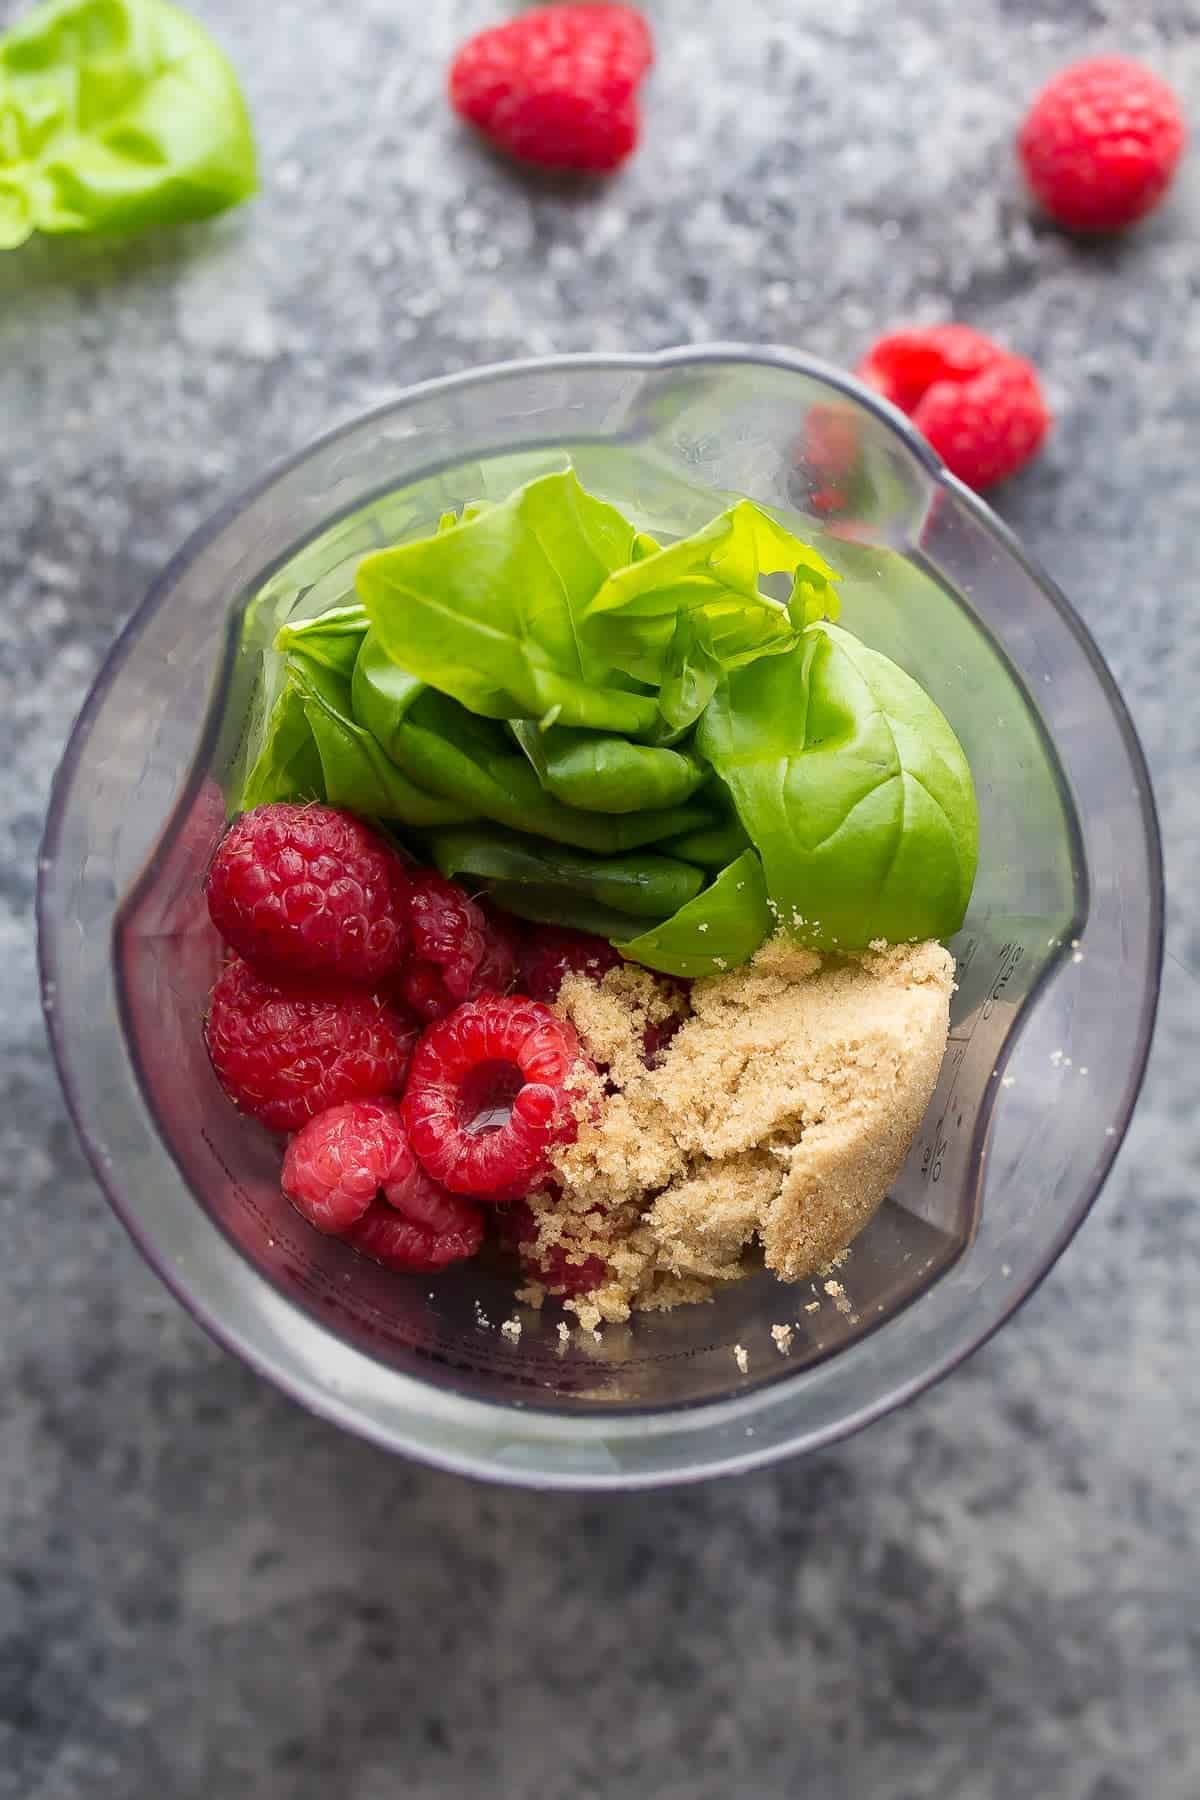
x=1058, y=959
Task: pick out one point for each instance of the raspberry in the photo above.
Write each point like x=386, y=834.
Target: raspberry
x=554, y=1267
x=829, y=454
x=988, y=428
x=556, y=1271
x=336, y=1164
x=492, y=1089
x=398, y=1242
x=310, y=891
x=506, y=932
x=285, y=1053
x=1100, y=144
x=457, y=951
x=657, y=1036
x=978, y=405
x=334, y=1169
x=552, y=952
x=557, y=86
x=903, y=365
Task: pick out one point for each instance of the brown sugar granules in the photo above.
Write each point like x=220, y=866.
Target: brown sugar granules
x=778, y=1114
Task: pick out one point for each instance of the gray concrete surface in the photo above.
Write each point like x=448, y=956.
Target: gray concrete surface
x=204, y=1592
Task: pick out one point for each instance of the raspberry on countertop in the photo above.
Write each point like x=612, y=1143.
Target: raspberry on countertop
x=1101, y=142
x=980, y=406
x=557, y=85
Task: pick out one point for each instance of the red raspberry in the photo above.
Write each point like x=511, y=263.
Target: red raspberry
x=334, y=1169
x=556, y=1271
x=557, y=85
x=1101, y=142
x=657, y=1036
x=398, y=1242
x=285, y=1053
x=310, y=891
x=829, y=454
x=551, y=952
x=508, y=933
x=903, y=365
x=554, y=952
x=554, y=1267
x=979, y=406
x=490, y=1092
x=336, y=1164
x=988, y=428
x=457, y=951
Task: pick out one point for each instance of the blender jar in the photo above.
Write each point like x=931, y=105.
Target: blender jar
x=1057, y=961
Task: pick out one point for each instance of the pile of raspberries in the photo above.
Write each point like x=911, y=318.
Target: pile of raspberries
x=370, y=1009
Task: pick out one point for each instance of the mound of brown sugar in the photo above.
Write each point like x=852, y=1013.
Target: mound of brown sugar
x=779, y=1113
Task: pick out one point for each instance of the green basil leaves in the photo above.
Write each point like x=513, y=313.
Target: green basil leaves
x=116, y=115
x=852, y=787
x=634, y=740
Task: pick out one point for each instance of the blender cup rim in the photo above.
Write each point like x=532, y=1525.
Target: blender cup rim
x=481, y=1422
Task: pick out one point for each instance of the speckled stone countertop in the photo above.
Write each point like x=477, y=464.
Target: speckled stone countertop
x=203, y=1591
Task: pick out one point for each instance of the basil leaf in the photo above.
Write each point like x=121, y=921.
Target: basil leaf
x=647, y=886
x=489, y=610
x=711, y=846
x=557, y=906
x=600, y=772
x=332, y=638
x=447, y=750
x=287, y=766
x=356, y=772
x=115, y=115
x=448, y=520
x=691, y=672
x=854, y=789
x=719, y=929
x=712, y=575
x=382, y=693
x=813, y=595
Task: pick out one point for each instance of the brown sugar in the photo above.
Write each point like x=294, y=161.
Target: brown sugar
x=778, y=1115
